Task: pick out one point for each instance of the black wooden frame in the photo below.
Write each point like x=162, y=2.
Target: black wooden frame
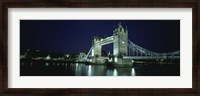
x=194, y=4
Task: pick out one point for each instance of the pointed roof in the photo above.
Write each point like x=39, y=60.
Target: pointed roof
x=120, y=25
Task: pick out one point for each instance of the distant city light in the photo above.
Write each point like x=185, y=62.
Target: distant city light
x=48, y=57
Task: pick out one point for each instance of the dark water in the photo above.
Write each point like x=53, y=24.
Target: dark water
x=80, y=69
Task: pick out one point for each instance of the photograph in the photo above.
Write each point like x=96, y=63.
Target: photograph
x=99, y=47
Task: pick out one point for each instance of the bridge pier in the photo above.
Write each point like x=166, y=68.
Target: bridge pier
x=115, y=61
x=124, y=61
x=99, y=60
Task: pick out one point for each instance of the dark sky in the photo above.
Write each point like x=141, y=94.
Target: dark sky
x=72, y=36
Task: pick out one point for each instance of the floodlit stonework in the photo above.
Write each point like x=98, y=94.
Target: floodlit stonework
x=120, y=45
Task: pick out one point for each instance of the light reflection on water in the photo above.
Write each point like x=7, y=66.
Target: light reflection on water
x=133, y=72
x=115, y=72
x=101, y=70
x=89, y=70
x=79, y=69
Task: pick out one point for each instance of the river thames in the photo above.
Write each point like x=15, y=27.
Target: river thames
x=81, y=69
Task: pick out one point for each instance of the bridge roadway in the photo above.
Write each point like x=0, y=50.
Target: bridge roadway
x=146, y=57
x=151, y=57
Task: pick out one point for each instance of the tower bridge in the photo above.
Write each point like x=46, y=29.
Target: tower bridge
x=124, y=50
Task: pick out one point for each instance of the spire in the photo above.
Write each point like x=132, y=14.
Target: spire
x=120, y=25
x=119, y=28
x=126, y=29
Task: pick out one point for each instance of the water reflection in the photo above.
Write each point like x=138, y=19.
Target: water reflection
x=100, y=70
x=133, y=72
x=79, y=69
x=115, y=72
x=89, y=70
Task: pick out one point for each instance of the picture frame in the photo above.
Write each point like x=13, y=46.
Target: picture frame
x=194, y=91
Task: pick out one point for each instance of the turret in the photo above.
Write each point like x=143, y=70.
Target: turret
x=126, y=30
x=119, y=28
x=120, y=40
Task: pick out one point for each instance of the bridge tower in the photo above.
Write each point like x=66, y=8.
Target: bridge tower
x=120, y=47
x=96, y=48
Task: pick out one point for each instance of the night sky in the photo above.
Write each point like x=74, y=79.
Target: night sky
x=73, y=36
